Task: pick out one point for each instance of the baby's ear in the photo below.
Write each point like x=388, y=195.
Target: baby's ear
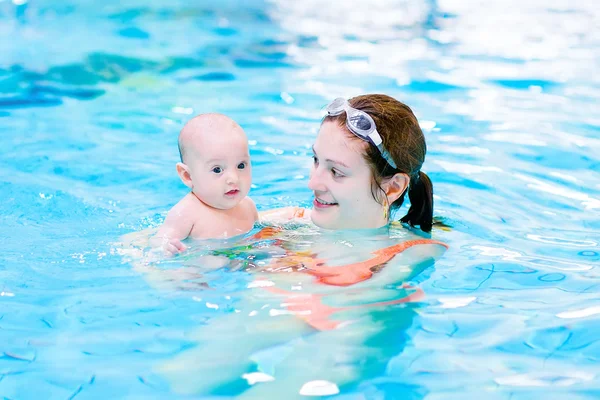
x=184, y=174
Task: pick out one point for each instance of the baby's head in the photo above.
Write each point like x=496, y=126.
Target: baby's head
x=215, y=161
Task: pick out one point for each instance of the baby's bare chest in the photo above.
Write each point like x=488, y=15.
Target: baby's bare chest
x=221, y=225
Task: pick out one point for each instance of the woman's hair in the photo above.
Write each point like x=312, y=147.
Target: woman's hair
x=404, y=140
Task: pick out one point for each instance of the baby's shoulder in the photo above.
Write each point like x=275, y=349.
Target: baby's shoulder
x=249, y=207
x=248, y=202
x=189, y=205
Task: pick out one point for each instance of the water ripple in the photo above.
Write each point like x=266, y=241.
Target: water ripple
x=506, y=94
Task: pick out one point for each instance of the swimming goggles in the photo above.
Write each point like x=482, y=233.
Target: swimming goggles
x=360, y=124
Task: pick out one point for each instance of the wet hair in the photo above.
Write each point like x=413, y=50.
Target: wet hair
x=404, y=140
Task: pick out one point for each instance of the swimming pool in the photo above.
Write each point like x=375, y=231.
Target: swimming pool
x=92, y=98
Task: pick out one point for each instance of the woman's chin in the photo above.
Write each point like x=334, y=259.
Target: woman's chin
x=323, y=221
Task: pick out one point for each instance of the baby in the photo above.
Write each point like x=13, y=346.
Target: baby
x=215, y=165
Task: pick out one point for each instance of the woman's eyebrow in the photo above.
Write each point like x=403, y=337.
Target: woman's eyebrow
x=329, y=160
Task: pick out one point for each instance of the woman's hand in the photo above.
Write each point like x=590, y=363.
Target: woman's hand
x=284, y=215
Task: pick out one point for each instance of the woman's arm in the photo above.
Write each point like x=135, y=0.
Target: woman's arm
x=283, y=215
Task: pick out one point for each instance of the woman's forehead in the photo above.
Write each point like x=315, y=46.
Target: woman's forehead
x=335, y=142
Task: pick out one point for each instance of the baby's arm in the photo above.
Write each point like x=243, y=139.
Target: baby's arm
x=177, y=226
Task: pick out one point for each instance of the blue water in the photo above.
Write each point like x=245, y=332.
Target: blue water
x=92, y=98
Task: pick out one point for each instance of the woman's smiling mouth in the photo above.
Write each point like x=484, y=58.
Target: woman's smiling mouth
x=318, y=203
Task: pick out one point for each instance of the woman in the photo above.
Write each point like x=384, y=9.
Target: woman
x=368, y=152
x=367, y=155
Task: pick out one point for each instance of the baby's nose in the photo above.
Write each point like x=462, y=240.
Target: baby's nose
x=232, y=177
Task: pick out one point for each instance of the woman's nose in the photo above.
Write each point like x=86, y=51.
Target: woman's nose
x=315, y=181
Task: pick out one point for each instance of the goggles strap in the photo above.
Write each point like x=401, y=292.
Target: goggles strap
x=344, y=106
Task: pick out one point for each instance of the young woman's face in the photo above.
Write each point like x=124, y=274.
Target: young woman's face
x=341, y=181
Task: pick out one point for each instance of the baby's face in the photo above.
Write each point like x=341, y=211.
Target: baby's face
x=220, y=170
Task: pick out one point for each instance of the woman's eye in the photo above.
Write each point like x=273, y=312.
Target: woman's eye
x=336, y=173
x=217, y=170
x=242, y=165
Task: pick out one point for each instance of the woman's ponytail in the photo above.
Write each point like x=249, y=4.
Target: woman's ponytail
x=420, y=194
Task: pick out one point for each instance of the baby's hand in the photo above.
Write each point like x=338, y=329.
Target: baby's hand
x=173, y=246
x=169, y=246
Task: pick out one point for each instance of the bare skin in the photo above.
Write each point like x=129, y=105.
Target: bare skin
x=216, y=167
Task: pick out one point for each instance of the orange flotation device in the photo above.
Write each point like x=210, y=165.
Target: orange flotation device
x=353, y=273
x=345, y=275
x=310, y=307
x=313, y=311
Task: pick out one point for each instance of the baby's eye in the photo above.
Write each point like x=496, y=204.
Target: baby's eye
x=242, y=165
x=217, y=170
x=315, y=160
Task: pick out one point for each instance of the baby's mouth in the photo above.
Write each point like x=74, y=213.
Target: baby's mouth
x=232, y=192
